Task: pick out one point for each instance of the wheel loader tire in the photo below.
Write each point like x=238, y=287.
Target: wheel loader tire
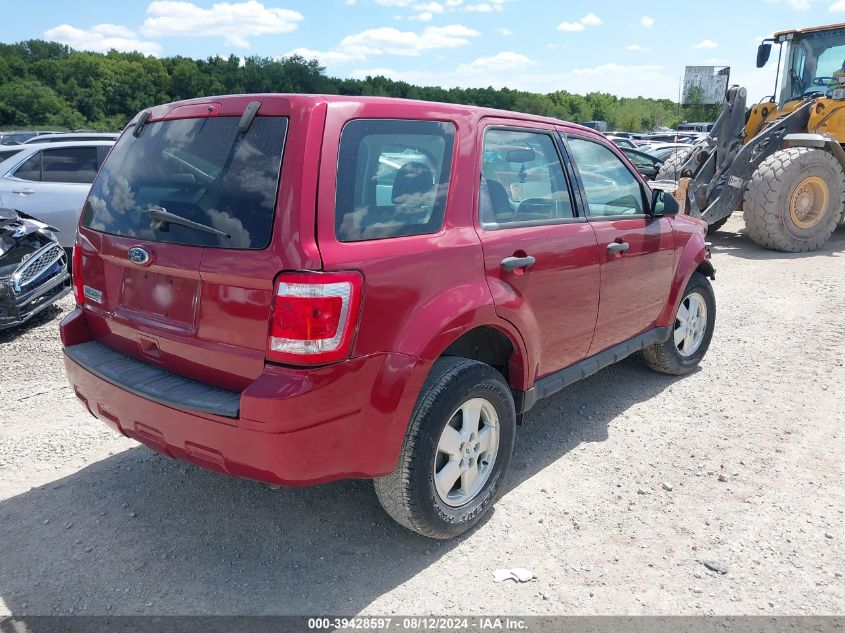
x=718, y=224
x=671, y=169
x=794, y=199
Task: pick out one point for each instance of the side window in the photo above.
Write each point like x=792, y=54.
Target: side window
x=610, y=186
x=31, y=169
x=522, y=180
x=392, y=178
x=70, y=164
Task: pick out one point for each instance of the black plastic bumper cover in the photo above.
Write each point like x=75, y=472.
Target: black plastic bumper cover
x=153, y=383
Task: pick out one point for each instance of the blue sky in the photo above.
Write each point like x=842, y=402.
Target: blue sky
x=626, y=48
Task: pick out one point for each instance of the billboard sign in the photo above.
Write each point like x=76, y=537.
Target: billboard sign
x=710, y=82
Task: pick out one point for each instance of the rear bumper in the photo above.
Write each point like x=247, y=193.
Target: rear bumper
x=295, y=427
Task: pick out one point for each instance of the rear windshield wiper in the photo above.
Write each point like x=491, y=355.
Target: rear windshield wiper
x=166, y=217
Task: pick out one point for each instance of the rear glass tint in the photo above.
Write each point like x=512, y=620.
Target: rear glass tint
x=392, y=178
x=202, y=170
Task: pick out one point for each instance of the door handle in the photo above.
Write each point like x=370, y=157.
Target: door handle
x=617, y=247
x=512, y=263
x=23, y=192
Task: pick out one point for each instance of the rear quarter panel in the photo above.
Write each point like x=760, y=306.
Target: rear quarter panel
x=420, y=292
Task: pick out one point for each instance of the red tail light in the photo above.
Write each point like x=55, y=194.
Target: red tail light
x=78, y=285
x=314, y=317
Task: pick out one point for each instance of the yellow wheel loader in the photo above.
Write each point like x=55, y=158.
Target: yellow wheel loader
x=781, y=161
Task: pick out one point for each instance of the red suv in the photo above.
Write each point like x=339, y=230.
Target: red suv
x=298, y=289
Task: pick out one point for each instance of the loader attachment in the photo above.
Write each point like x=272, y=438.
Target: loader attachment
x=720, y=165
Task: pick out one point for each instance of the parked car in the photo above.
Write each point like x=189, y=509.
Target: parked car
x=622, y=141
x=7, y=151
x=33, y=268
x=50, y=181
x=14, y=137
x=249, y=301
x=64, y=137
x=646, y=164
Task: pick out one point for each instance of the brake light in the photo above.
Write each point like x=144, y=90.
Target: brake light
x=314, y=317
x=78, y=285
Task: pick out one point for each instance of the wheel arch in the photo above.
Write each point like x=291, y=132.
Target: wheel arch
x=694, y=258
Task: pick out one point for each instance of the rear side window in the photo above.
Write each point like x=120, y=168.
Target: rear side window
x=30, y=169
x=69, y=164
x=65, y=164
x=392, y=178
x=203, y=170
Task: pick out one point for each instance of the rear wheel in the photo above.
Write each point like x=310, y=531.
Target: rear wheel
x=795, y=199
x=456, y=452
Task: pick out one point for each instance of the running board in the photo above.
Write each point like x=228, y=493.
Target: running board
x=551, y=384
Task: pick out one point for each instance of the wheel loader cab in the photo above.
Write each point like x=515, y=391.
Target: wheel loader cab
x=813, y=67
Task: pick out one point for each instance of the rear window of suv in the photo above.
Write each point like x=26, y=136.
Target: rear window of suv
x=392, y=178
x=203, y=170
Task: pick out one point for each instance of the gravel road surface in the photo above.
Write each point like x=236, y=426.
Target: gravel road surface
x=631, y=492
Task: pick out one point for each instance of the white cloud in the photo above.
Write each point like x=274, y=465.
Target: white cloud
x=489, y=6
x=235, y=22
x=425, y=16
x=102, y=38
x=706, y=44
x=837, y=7
x=647, y=21
x=639, y=48
x=570, y=27
x=500, y=61
x=800, y=5
x=591, y=19
x=391, y=41
x=505, y=32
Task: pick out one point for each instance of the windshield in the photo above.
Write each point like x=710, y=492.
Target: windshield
x=814, y=64
x=203, y=170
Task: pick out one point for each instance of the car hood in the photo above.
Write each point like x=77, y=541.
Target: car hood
x=20, y=236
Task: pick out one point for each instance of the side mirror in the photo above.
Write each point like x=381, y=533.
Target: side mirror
x=663, y=204
x=763, y=52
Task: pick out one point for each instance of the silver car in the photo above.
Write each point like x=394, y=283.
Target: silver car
x=62, y=137
x=50, y=182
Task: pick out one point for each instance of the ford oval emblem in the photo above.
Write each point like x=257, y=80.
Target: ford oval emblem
x=138, y=255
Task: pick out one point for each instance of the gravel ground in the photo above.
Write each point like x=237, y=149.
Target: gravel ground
x=624, y=487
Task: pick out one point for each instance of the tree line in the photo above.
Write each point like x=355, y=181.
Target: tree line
x=49, y=85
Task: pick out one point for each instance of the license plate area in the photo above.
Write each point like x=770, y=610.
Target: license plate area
x=162, y=297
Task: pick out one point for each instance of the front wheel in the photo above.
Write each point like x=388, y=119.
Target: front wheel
x=456, y=452
x=691, y=332
x=795, y=199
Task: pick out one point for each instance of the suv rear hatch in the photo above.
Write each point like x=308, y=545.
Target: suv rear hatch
x=175, y=242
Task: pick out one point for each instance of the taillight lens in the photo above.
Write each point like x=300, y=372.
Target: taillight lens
x=314, y=317
x=78, y=286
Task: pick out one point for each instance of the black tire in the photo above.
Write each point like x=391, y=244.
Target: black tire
x=408, y=494
x=671, y=168
x=768, y=199
x=665, y=357
x=718, y=224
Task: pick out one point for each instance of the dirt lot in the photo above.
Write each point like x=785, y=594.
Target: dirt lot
x=622, y=487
